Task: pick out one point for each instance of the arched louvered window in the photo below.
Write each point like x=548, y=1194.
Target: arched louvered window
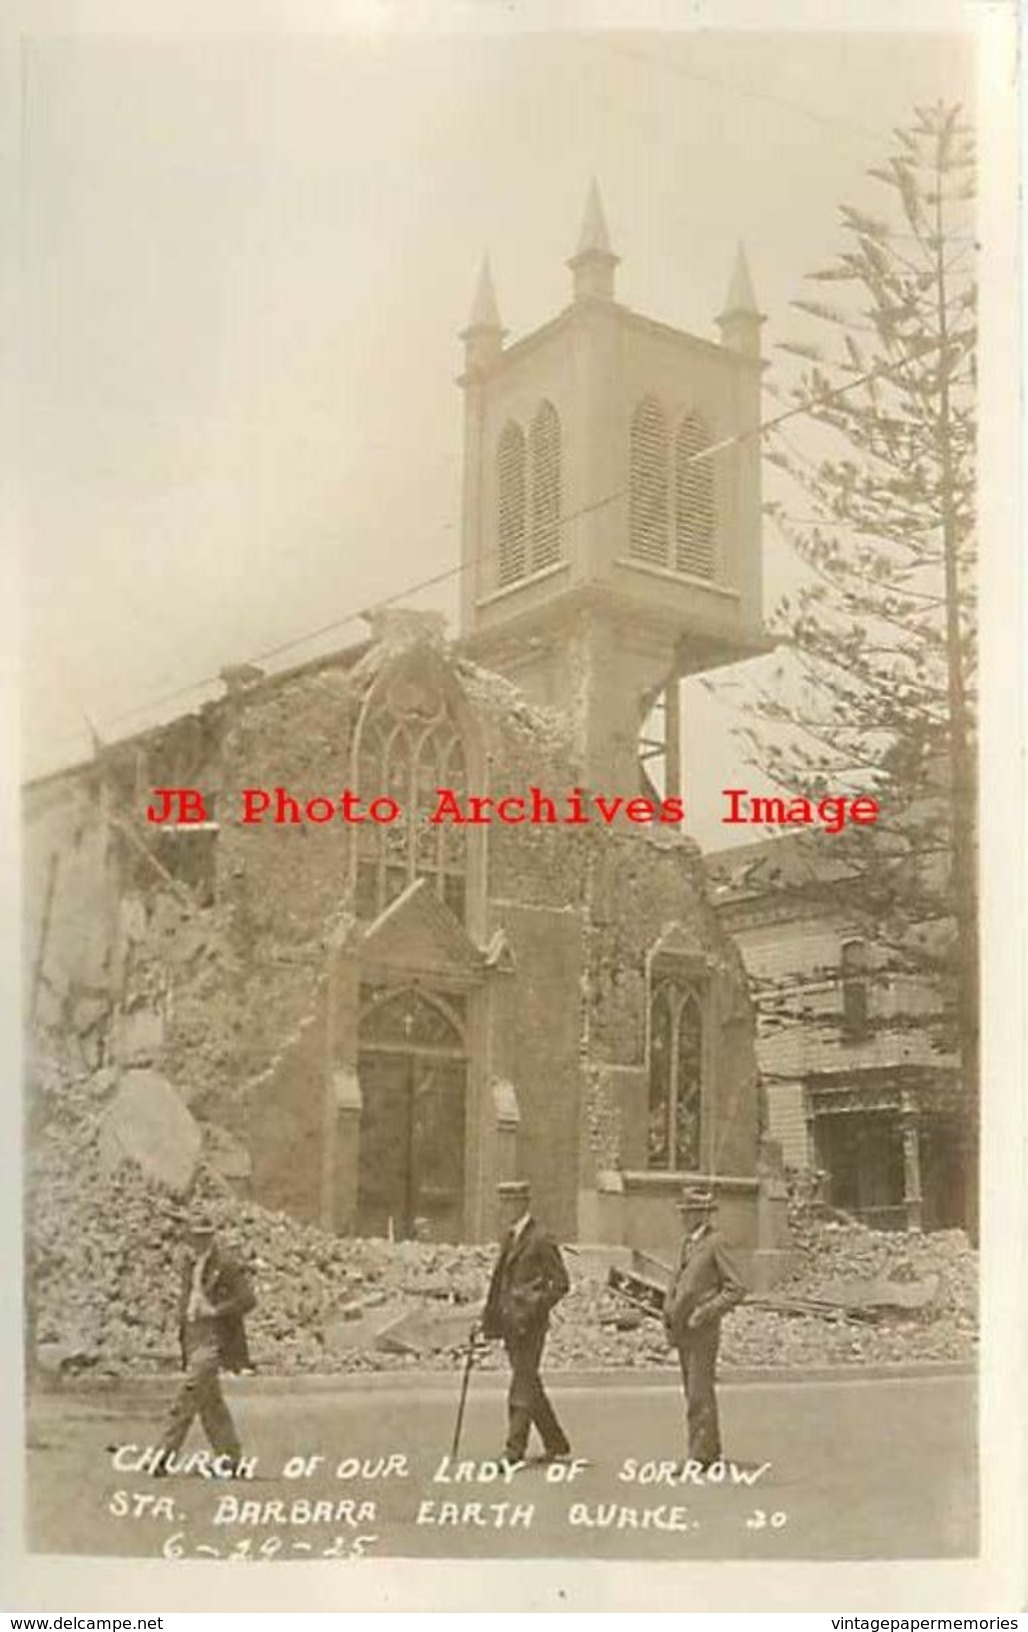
x=694, y=500
x=676, y=1075
x=648, y=484
x=510, y=490
x=544, y=459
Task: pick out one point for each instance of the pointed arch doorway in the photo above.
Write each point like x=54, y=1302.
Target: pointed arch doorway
x=412, y=1067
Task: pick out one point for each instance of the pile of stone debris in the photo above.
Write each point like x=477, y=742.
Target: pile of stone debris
x=104, y=1248
x=856, y=1296
x=874, y=1296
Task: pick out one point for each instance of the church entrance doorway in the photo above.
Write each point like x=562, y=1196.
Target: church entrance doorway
x=412, y=1067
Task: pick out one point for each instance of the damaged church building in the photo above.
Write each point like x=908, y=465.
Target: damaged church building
x=375, y=1023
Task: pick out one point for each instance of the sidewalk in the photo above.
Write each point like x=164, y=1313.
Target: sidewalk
x=497, y=1379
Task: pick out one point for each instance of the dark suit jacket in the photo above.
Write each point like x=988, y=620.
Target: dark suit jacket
x=227, y=1285
x=707, y=1280
x=529, y=1278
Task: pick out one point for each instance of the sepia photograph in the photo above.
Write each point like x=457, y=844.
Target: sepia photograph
x=505, y=1071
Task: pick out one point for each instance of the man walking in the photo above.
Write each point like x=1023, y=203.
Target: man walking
x=528, y=1280
x=706, y=1285
x=215, y=1295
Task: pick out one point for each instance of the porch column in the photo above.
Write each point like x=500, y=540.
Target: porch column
x=910, y=1124
x=672, y=738
x=342, y=1118
x=502, y=1163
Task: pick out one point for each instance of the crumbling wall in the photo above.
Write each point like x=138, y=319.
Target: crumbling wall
x=605, y=1144
x=535, y=1044
x=70, y=916
x=535, y=865
x=643, y=889
x=283, y=1122
x=127, y=956
x=279, y=884
x=536, y=887
x=204, y=955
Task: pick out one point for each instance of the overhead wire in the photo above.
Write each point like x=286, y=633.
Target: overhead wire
x=661, y=64
x=486, y=557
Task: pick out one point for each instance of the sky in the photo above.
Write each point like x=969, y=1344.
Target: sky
x=246, y=259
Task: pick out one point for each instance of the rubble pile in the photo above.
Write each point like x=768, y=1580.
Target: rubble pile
x=829, y=1255
x=104, y=1262
x=832, y=1256
x=830, y=1252
x=105, y=1255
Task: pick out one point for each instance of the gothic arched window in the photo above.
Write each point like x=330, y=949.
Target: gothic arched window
x=510, y=504
x=544, y=458
x=648, y=484
x=853, y=974
x=409, y=747
x=694, y=500
x=676, y=1075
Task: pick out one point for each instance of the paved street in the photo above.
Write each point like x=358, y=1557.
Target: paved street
x=878, y=1469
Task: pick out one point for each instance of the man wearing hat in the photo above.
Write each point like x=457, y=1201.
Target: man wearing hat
x=705, y=1285
x=215, y=1295
x=528, y=1280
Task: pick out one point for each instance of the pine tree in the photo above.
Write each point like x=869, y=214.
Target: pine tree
x=874, y=692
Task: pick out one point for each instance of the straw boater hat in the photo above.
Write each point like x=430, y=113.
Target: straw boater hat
x=696, y=1198
x=514, y=1190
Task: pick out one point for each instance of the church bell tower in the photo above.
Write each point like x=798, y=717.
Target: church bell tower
x=611, y=505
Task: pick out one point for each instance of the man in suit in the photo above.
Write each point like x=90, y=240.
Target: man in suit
x=706, y=1284
x=528, y=1280
x=214, y=1297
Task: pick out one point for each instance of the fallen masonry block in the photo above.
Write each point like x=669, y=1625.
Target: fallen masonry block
x=147, y=1123
x=859, y=1295
x=140, y=1035
x=429, y=1331
x=58, y=1358
x=349, y=1334
x=226, y=1154
x=90, y=1011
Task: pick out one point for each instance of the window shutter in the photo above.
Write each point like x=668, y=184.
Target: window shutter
x=694, y=500
x=648, y=484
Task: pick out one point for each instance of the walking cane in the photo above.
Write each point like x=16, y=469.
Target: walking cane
x=469, y=1361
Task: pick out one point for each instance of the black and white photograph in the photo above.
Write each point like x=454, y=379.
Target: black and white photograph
x=508, y=630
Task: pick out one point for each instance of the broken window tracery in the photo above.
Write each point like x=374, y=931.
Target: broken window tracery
x=409, y=748
x=676, y=1074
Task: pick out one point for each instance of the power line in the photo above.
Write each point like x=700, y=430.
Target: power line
x=743, y=92
x=748, y=94
x=487, y=556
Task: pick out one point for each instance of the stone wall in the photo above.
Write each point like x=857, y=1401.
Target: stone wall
x=646, y=893
x=205, y=955
x=535, y=1043
x=283, y=1123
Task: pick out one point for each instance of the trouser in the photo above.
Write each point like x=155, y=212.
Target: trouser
x=527, y=1402
x=201, y=1396
x=697, y=1352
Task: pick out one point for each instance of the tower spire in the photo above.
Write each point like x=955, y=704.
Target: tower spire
x=483, y=337
x=592, y=265
x=741, y=318
x=485, y=313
